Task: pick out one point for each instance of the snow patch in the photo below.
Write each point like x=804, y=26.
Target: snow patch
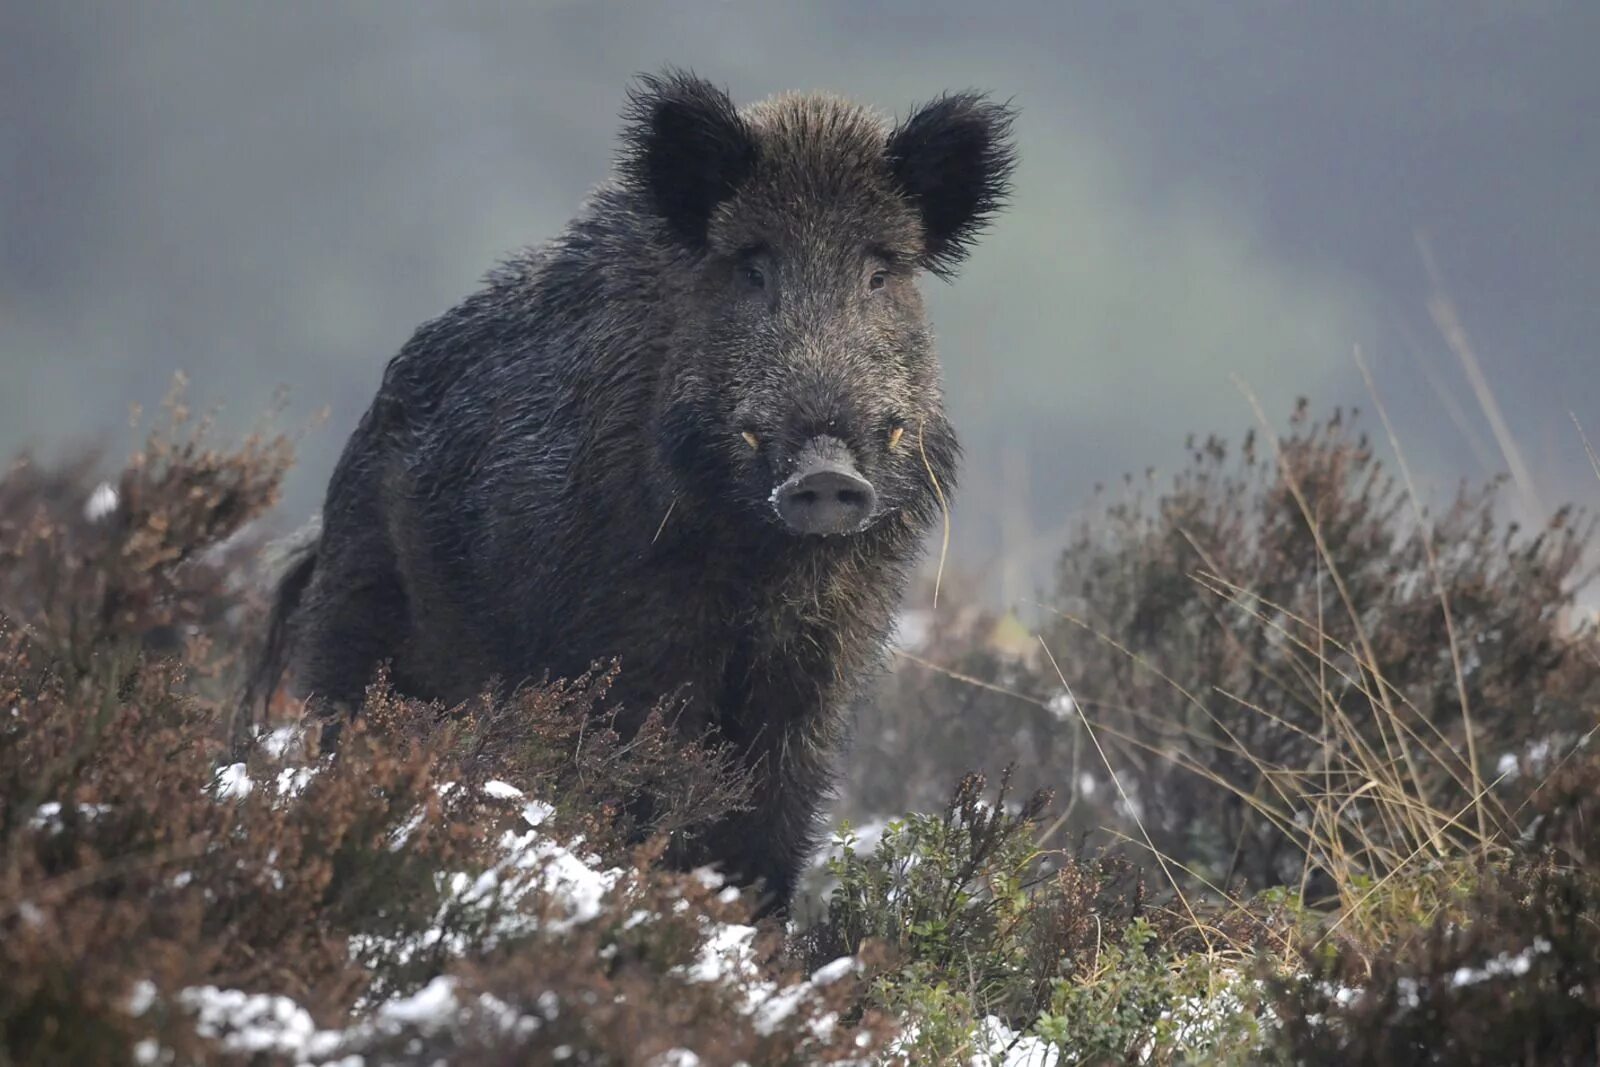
x=1062, y=706
x=276, y=742
x=912, y=629
x=676, y=1057
x=1501, y=966
x=101, y=503
x=264, y=1023
x=258, y=1023
x=293, y=780
x=729, y=953
x=47, y=816
x=1005, y=1047
x=429, y=1009
x=233, y=782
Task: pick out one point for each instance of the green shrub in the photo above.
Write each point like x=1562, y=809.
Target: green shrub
x=984, y=933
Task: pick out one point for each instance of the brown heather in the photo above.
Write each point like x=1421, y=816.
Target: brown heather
x=120, y=865
x=1325, y=869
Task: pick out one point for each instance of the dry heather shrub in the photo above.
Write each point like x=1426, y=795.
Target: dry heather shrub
x=1263, y=651
x=149, y=562
x=1265, y=641
x=619, y=790
x=1511, y=977
x=333, y=888
x=122, y=864
x=133, y=874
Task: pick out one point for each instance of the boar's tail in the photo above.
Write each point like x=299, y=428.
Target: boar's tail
x=294, y=560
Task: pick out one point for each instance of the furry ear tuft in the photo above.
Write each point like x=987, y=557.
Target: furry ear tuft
x=686, y=146
x=954, y=158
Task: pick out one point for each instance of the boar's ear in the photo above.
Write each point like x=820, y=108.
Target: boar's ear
x=686, y=146
x=954, y=158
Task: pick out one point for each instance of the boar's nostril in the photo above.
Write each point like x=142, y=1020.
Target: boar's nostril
x=852, y=497
x=828, y=498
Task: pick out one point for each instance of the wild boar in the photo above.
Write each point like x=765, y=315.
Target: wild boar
x=700, y=432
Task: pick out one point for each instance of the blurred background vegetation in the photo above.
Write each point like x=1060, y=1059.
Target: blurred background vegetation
x=276, y=195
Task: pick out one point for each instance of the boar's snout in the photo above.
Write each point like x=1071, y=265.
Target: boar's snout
x=825, y=494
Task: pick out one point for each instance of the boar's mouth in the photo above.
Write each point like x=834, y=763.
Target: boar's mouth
x=825, y=495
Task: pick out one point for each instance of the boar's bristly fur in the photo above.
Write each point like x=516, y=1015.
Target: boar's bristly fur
x=700, y=432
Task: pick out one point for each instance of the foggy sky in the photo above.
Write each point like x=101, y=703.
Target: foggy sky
x=272, y=195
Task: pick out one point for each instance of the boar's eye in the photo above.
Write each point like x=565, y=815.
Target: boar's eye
x=878, y=280
x=755, y=277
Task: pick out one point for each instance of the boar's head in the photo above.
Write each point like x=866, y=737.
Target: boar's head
x=801, y=390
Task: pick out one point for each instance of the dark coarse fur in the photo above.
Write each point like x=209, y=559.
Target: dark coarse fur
x=557, y=471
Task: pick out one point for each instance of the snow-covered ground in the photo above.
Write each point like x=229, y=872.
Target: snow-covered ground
x=573, y=886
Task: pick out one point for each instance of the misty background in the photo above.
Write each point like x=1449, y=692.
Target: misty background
x=276, y=195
